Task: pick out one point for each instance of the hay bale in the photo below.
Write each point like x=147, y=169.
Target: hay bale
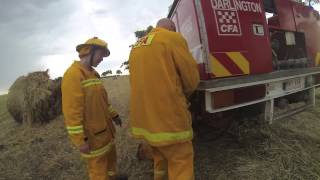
x=35, y=98
x=16, y=98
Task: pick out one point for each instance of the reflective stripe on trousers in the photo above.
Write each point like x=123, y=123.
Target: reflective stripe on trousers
x=173, y=162
x=103, y=167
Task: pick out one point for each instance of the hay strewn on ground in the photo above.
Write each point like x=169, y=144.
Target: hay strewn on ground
x=4, y=114
x=118, y=90
x=289, y=149
x=35, y=98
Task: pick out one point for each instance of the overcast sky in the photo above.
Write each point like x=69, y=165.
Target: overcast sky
x=40, y=34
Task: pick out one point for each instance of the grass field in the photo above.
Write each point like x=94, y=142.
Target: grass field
x=288, y=149
x=3, y=109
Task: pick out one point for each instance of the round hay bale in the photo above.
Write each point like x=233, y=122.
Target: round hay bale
x=35, y=98
x=16, y=98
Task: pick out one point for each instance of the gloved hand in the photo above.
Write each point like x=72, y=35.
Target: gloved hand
x=117, y=120
x=84, y=148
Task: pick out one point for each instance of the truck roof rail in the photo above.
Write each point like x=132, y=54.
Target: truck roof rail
x=172, y=8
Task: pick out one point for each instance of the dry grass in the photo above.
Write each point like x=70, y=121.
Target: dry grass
x=4, y=114
x=118, y=90
x=41, y=152
x=38, y=153
x=289, y=149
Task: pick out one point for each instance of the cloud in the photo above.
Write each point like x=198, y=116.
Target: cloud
x=117, y=21
x=36, y=35
x=26, y=31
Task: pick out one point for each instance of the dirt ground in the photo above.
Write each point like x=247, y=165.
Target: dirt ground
x=288, y=149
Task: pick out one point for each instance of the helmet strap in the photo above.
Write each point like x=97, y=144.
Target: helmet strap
x=93, y=52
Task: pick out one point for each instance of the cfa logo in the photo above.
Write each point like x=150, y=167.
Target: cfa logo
x=226, y=15
x=227, y=22
x=229, y=28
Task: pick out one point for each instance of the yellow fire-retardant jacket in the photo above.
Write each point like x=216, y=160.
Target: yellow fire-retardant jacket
x=162, y=74
x=87, y=112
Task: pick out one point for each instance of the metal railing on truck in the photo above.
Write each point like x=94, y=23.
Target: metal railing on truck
x=277, y=86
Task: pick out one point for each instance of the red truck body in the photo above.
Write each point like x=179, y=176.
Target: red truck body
x=238, y=33
x=235, y=39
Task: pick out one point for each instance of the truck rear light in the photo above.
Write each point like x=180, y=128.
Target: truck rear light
x=237, y=96
x=222, y=99
x=251, y=93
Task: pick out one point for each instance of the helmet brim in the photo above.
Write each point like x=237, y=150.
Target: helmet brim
x=80, y=46
x=107, y=52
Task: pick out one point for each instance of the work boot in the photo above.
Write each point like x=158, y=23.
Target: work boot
x=121, y=177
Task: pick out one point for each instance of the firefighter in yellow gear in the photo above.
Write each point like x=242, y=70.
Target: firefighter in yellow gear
x=87, y=112
x=163, y=74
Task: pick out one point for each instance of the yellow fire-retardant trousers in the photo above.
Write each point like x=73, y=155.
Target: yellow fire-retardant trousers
x=103, y=167
x=173, y=162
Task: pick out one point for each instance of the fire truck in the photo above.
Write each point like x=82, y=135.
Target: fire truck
x=251, y=53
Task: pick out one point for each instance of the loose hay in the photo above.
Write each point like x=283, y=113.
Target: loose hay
x=128, y=163
x=287, y=149
x=35, y=98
